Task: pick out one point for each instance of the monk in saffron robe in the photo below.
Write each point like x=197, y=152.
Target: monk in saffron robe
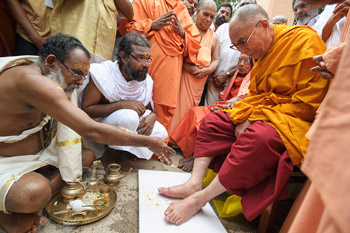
x=173, y=35
x=185, y=133
x=193, y=76
x=254, y=145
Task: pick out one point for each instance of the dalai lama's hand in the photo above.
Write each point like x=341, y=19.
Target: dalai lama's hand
x=146, y=124
x=241, y=127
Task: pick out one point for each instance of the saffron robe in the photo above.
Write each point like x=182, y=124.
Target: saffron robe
x=185, y=133
x=168, y=50
x=191, y=88
x=283, y=91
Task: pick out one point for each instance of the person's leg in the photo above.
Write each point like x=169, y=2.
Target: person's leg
x=215, y=138
x=30, y=194
x=193, y=185
x=179, y=212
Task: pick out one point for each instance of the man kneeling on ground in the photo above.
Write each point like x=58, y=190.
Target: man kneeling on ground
x=254, y=145
x=33, y=90
x=120, y=93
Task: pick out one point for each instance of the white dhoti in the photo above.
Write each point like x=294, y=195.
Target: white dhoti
x=129, y=119
x=63, y=152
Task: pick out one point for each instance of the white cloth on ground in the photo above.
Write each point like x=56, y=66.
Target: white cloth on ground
x=228, y=60
x=113, y=86
x=63, y=152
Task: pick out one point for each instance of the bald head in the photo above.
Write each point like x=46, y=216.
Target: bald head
x=246, y=2
x=205, y=15
x=249, y=12
x=280, y=19
x=208, y=3
x=251, y=31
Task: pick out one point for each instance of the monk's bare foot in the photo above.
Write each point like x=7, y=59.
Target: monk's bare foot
x=20, y=223
x=179, y=212
x=186, y=164
x=180, y=191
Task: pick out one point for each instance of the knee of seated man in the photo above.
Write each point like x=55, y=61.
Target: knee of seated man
x=88, y=157
x=264, y=135
x=30, y=194
x=130, y=119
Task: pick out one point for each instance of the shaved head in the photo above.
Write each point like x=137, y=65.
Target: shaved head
x=251, y=31
x=209, y=3
x=279, y=19
x=249, y=12
x=246, y=2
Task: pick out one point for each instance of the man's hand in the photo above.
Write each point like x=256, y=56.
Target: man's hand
x=146, y=124
x=202, y=72
x=342, y=8
x=219, y=79
x=159, y=148
x=241, y=127
x=324, y=72
x=178, y=27
x=134, y=105
x=164, y=20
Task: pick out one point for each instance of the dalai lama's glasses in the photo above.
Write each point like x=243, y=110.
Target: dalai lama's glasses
x=143, y=61
x=244, y=43
x=77, y=77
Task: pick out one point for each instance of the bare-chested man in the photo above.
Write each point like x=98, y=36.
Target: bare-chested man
x=29, y=92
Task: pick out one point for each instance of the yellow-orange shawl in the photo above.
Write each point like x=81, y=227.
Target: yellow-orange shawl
x=283, y=92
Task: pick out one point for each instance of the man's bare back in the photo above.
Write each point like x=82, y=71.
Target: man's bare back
x=16, y=115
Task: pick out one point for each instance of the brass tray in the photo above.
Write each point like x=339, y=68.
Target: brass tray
x=56, y=204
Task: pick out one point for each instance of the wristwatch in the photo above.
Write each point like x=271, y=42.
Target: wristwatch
x=228, y=73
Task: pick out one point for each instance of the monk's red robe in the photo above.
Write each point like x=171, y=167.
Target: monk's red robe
x=282, y=100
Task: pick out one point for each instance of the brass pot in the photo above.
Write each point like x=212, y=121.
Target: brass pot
x=113, y=175
x=72, y=190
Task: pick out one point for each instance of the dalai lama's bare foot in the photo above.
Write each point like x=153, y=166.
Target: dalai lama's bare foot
x=179, y=212
x=180, y=191
x=186, y=164
x=21, y=222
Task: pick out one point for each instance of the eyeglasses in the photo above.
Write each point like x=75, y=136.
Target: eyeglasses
x=77, y=77
x=243, y=43
x=143, y=61
x=245, y=59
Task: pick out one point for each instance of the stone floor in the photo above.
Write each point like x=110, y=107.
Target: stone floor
x=124, y=217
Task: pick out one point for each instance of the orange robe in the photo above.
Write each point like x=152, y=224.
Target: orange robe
x=185, y=133
x=284, y=92
x=191, y=88
x=168, y=50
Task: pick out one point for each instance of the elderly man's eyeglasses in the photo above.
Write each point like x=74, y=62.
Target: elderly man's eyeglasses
x=243, y=43
x=143, y=61
x=77, y=77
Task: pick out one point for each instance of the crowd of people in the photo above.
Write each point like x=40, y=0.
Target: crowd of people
x=248, y=97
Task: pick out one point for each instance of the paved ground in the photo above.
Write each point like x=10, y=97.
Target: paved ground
x=124, y=217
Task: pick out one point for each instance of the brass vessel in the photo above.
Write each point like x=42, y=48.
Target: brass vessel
x=114, y=175
x=72, y=190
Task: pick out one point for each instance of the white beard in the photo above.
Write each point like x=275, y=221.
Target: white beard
x=57, y=76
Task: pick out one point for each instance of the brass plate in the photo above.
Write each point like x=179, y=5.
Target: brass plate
x=79, y=219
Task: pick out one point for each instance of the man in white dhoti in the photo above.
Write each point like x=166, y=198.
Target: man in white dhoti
x=33, y=90
x=120, y=93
